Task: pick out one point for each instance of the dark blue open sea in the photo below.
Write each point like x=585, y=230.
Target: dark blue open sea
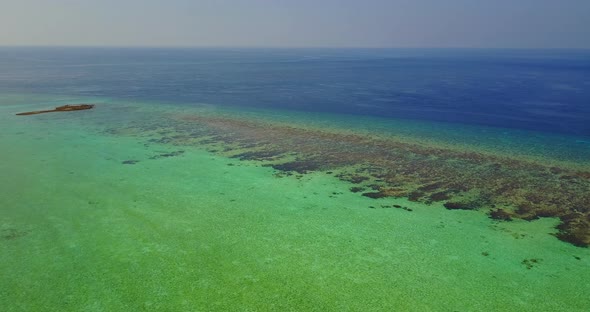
x=542, y=90
x=295, y=180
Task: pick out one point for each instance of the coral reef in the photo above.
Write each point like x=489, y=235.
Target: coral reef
x=395, y=167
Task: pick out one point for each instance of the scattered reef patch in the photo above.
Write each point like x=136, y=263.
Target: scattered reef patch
x=530, y=263
x=11, y=234
x=166, y=155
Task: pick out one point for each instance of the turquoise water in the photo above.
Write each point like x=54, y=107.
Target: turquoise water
x=295, y=180
x=118, y=208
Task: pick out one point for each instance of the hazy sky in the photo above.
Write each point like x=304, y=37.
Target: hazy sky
x=306, y=23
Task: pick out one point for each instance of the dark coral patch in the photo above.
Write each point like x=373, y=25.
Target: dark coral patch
x=500, y=214
x=375, y=195
x=530, y=263
x=356, y=179
x=166, y=155
x=458, y=206
x=10, y=234
x=431, y=187
x=440, y=196
x=415, y=196
x=574, y=230
x=257, y=155
x=298, y=166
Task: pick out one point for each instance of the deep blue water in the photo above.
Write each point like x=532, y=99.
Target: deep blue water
x=542, y=90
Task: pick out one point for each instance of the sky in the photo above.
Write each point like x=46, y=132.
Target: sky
x=297, y=23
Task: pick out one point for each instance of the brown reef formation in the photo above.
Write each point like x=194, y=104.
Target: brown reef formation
x=503, y=187
x=64, y=108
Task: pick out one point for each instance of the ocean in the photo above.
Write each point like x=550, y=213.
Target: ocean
x=295, y=179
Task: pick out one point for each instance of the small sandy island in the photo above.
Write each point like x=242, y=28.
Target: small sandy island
x=65, y=108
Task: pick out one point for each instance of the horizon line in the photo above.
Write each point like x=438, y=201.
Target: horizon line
x=294, y=47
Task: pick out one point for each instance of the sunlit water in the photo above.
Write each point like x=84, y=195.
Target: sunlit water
x=212, y=189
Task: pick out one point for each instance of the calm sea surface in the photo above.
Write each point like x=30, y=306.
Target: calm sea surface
x=523, y=89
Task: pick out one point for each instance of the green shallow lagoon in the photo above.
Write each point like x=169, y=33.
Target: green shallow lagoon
x=185, y=228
